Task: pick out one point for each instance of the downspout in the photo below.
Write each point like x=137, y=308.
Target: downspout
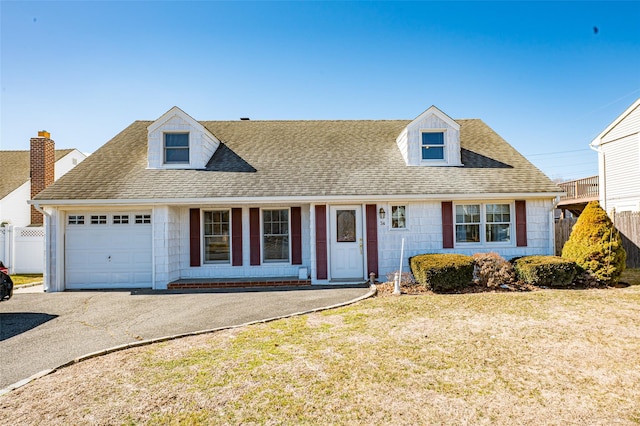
x=602, y=189
x=47, y=237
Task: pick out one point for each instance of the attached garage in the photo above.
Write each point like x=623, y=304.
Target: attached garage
x=108, y=250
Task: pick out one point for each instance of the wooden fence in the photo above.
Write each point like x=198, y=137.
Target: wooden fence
x=627, y=223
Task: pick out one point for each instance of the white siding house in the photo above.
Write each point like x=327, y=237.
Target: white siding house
x=618, y=149
x=218, y=203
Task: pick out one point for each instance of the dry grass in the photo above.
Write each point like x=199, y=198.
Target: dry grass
x=25, y=279
x=546, y=357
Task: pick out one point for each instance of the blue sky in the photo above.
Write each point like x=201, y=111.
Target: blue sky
x=536, y=72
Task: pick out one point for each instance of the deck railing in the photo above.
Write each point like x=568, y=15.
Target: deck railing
x=580, y=189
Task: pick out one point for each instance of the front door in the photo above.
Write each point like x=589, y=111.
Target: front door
x=347, y=250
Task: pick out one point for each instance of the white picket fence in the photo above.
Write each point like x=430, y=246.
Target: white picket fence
x=22, y=249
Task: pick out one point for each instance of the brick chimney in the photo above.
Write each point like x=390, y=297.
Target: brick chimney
x=43, y=160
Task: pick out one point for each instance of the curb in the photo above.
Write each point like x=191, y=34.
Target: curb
x=372, y=291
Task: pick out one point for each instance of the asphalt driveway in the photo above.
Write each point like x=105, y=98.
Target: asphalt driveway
x=40, y=331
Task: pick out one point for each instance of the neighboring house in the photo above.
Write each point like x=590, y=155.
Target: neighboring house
x=618, y=149
x=178, y=202
x=16, y=169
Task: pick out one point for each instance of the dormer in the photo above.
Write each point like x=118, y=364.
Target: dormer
x=177, y=141
x=432, y=139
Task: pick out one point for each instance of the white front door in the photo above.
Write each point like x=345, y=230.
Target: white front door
x=347, y=249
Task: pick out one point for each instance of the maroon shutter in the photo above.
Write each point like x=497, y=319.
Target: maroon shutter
x=236, y=237
x=254, y=236
x=194, y=237
x=447, y=224
x=321, y=242
x=521, y=223
x=296, y=236
x=372, y=238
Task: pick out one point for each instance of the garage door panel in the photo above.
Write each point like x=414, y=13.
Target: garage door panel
x=111, y=255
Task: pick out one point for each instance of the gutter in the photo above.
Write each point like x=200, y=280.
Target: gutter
x=296, y=199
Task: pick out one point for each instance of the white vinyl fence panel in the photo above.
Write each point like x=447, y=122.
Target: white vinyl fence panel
x=22, y=249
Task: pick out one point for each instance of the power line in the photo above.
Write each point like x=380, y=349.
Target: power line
x=557, y=152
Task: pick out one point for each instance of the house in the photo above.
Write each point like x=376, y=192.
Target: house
x=178, y=203
x=618, y=149
x=23, y=174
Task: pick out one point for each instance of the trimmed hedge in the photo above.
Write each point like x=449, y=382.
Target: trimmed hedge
x=546, y=270
x=442, y=272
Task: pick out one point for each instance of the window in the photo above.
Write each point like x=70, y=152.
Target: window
x=76, y=220
x=275, y=234
x=120, y=219
x=494, y=219
x=176, y=148
x=143, y=218
x=433, y=145
x=468, y=223
x=398, y=217
x=498, y=226
x=99, y=219
x=216, y=236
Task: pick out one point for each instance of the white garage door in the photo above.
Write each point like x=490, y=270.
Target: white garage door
x=108, y=250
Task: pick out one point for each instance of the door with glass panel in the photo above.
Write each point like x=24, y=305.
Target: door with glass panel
x=347, y=249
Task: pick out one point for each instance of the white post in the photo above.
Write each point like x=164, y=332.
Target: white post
x=396, y=289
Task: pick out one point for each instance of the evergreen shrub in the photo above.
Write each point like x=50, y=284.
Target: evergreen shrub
x=552, y=271
x=596, y=246
x=442, y=273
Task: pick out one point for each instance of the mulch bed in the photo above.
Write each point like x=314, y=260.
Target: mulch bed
x=386, y=289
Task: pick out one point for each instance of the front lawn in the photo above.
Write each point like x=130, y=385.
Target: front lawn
x=25, y=279
x=543, y=357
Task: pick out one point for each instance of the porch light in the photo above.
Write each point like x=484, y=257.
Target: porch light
x=382, y=213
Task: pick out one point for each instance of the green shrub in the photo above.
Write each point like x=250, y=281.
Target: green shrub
x=595, y=245
x=491, y=270
x=442, y=272
x=550, y=271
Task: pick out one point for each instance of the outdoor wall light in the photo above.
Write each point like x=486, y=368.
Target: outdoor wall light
x=382, y=213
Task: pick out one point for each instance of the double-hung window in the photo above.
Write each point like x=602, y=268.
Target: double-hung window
x=216, y=236
x=176, y=148
x=483, y=223
x=398, y=217
x=275, y=234
x=433, y=145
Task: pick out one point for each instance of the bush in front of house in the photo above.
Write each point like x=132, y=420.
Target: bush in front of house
x=491, y=270
x=552, y=271
x=442, y=273
x=595, y=245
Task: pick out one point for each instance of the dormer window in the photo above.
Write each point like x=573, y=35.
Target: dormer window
x=176, y=148
x=433, y=145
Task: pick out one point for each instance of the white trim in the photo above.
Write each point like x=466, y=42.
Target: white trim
x=293, y=199
x=597, y=141
x=483, y=223
x=434, y=161
x=434, y=110
x=203, y=261
x=275, y=262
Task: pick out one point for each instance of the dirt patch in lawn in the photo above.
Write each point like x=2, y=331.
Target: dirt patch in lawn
x=545, y=357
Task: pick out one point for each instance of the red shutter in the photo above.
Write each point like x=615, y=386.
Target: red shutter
x=254, y=236
x=321, y=242
x=447, y=224
x=296, y=236
x=236, y=237
x=521, y=223
x=194, y=237
x=372, y=238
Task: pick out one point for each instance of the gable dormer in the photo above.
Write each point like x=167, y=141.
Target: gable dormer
x=432, y=139
x=177, y=141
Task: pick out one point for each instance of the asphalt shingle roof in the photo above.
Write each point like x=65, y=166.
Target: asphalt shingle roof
x=300, y=158
x=15, y=170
